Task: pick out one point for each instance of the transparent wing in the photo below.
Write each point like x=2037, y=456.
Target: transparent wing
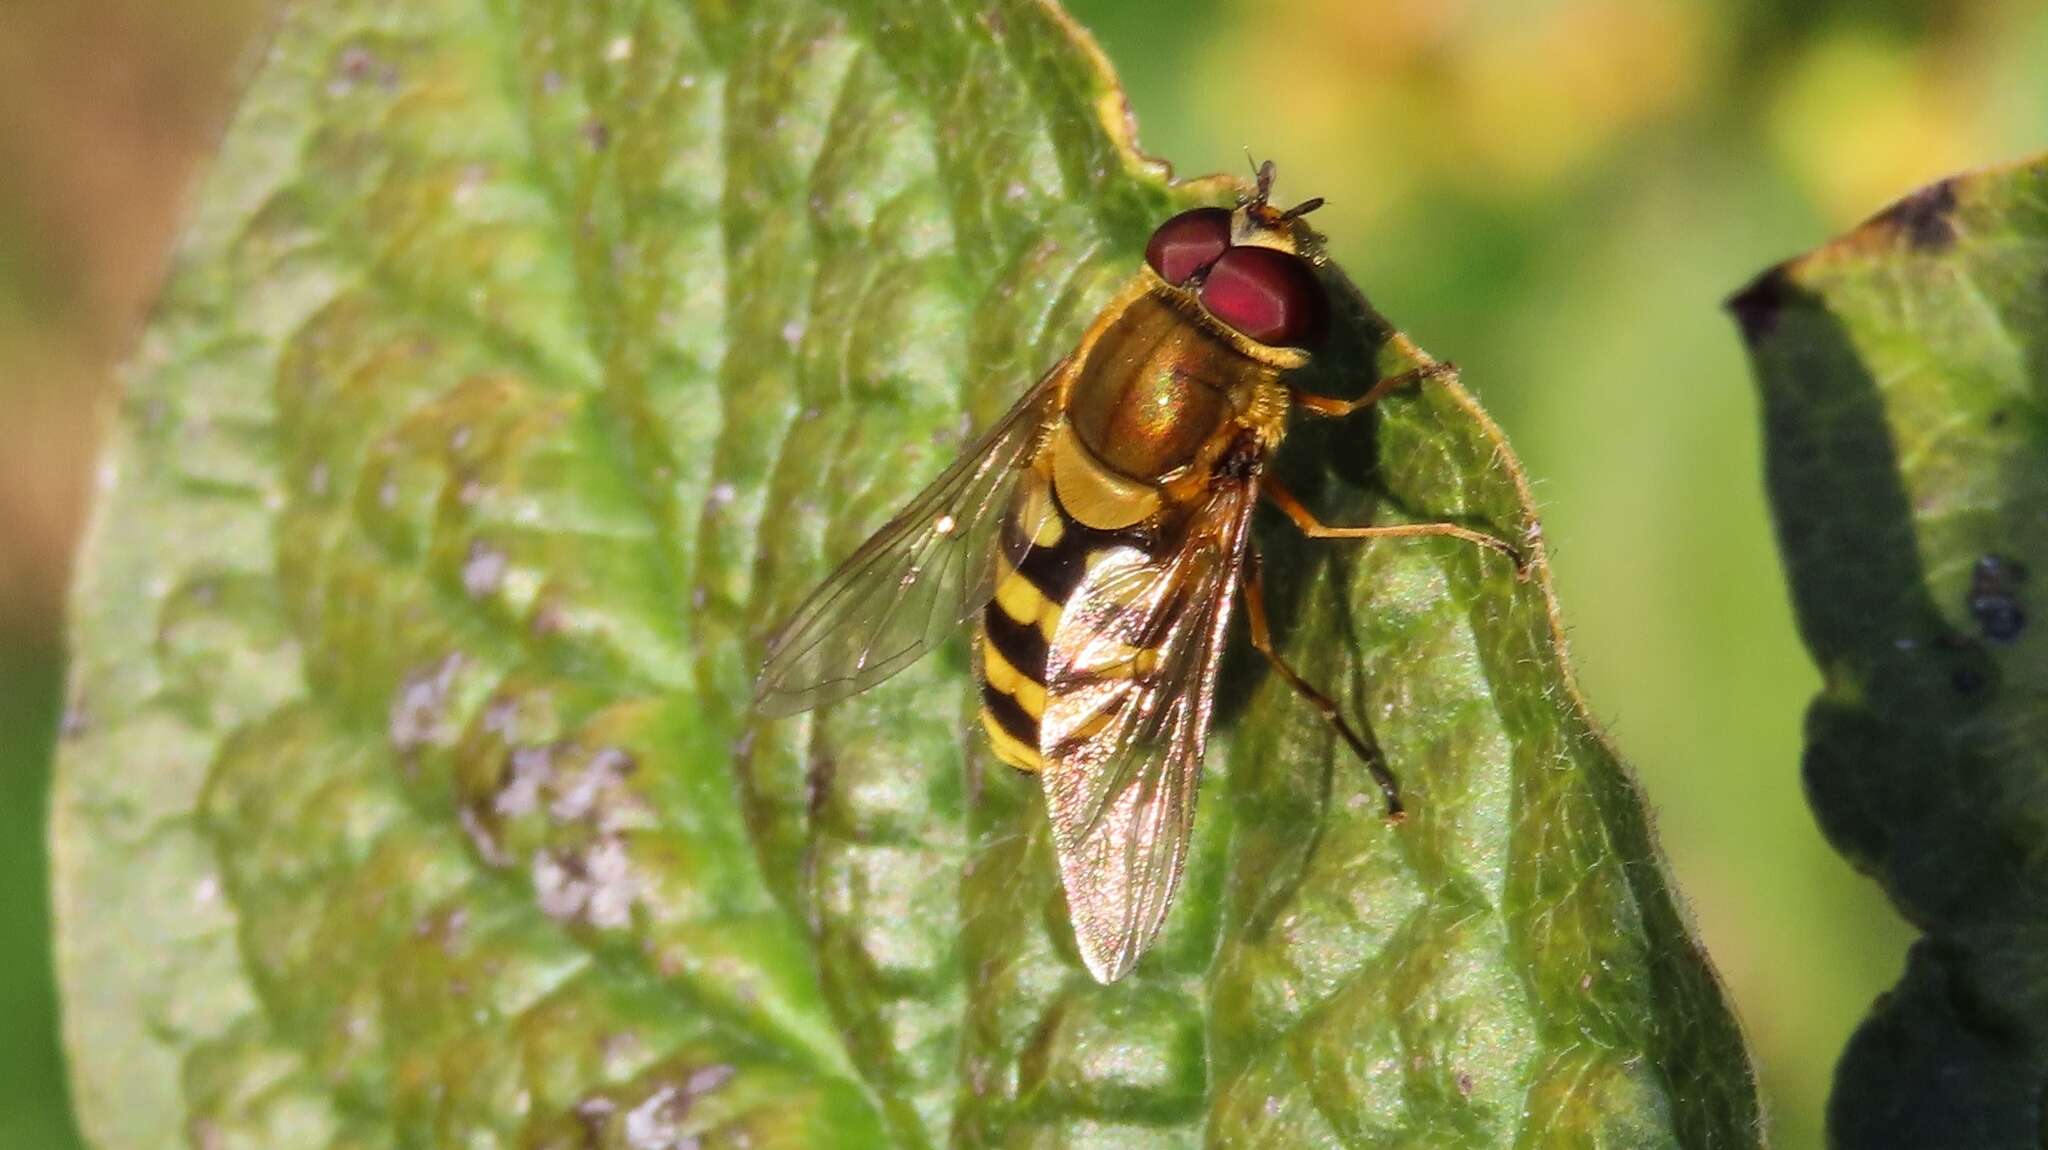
x=1130, y=681
x=924, y=572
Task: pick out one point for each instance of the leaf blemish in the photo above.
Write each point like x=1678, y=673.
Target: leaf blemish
x=708, y=1079
x=595, y=885
x=415, y=715
x=500, y=717
x=817, y=784
x=1994, y=598
x=657, y=1122
x=355, y=66
x=530, y=769
x=480, y=837
x=594, y=1112
x=1925, y=219
x=483, y=570
x=1756, y=308
x=606, y=769
x=77, y=721
x=470, y=184
x=443, y=927
x=623, y=1046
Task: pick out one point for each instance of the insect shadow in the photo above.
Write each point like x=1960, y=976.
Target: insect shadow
x=1330, y=464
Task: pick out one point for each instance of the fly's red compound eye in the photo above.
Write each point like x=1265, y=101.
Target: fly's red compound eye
x=1268, y=295
x=1187, y=244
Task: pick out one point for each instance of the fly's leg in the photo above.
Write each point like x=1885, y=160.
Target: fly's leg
x=1254, y=581
x=1316, y=529
x=1332, y=408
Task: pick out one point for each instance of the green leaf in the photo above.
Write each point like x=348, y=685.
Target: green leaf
x=523, y=364
x=1904, y=369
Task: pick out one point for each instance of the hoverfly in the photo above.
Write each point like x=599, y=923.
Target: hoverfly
x=1098, y=534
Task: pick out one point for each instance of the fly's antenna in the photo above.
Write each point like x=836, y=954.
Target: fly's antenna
x=1303, y=208
x=1262, y=176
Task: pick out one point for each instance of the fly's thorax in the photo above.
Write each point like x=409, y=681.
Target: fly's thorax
x=1154, y=402
x=1151, y=391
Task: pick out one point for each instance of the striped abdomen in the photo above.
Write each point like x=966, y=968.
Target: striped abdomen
x=1140, y=409
x=1043, y=556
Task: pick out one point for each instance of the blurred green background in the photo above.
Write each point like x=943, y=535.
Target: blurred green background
x=1556, y=194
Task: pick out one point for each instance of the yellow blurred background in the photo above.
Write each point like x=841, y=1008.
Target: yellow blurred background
x=1556, y=194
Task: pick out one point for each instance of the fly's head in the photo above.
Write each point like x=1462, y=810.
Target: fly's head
x=1251, y=268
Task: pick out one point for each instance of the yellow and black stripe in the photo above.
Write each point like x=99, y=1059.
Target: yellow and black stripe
x=1042, y=559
